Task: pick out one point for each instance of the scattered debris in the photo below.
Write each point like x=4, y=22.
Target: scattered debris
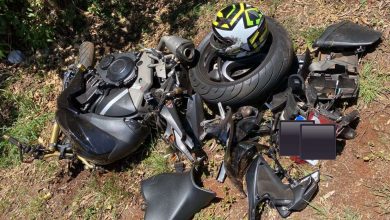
x=15, y=57
x=94, y=109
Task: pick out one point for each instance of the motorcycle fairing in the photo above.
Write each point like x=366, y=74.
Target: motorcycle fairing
x=172, y=196
x=117, y=103
x=195, y=114
x=263, y=184
x=237, y=160
x=101, y=139
x=175, y=128
x=97, y=138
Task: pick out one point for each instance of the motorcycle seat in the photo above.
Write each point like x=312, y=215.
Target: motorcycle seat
x=347, y=34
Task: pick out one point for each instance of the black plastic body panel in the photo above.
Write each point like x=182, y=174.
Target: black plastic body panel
x=263, y=184
x=347, y=34
x=117, y=103
x=195, y=114
x=67, y=97
x=174, y=196
x=100, y=139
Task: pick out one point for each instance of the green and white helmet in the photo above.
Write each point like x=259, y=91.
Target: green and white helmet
x=239, y=30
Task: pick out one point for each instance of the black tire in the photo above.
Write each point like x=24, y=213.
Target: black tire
x=86, y=54
x=257, y=85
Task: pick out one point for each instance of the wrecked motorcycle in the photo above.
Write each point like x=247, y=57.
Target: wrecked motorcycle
x=106, y=112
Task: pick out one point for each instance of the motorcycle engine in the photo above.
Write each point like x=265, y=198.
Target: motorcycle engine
x=117, y=85
x=118, y=69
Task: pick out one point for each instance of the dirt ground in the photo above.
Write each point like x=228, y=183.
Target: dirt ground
x=354, y=186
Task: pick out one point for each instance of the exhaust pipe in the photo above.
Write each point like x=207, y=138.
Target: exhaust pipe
x=182, y=48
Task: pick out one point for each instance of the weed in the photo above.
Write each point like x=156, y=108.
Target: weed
x=12, y=195
x=35, y=207
x=382, y=192
x=301, y=171
x=29, y=121
x=381, y=155
x=363, y=3
x=100, y=198
x=274, y=6
x=5, y=203
x=312, y=34
x=156, y=163
x=371, y=83
x=322, y=208
x=49, y=168
x=185, y=15
x=90, y=213
x=207, y=216
x=95, y=8
x=291, y=24
x=4, y=47
x=350, y=214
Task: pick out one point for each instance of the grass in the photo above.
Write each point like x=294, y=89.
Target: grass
x=17, y=202
x=155, y=162
x=21, y=199
x=382, y=192
x=274, y=6
x=35, y=207
x=322, y=208
x=349, y=214
x=48, y=168
x=311, y=34
x=208, y=214
x=26, y=127
x=23, y=97
x=363, y=3
x=98, y=199
x=371, y=83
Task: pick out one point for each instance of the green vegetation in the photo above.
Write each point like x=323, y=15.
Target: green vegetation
x=15, y=195
x=24, y=23
x=371, y=82
x=322, y=208
x=26, y=121
x=48, y=168
x=350, y=214
x=208, y=215
x=382, y=192
x=311, y=34
x=29, y=25
x=363, y=3
x=101, y=198
x=155, y=162
x=274, y=6
x=35, y=207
